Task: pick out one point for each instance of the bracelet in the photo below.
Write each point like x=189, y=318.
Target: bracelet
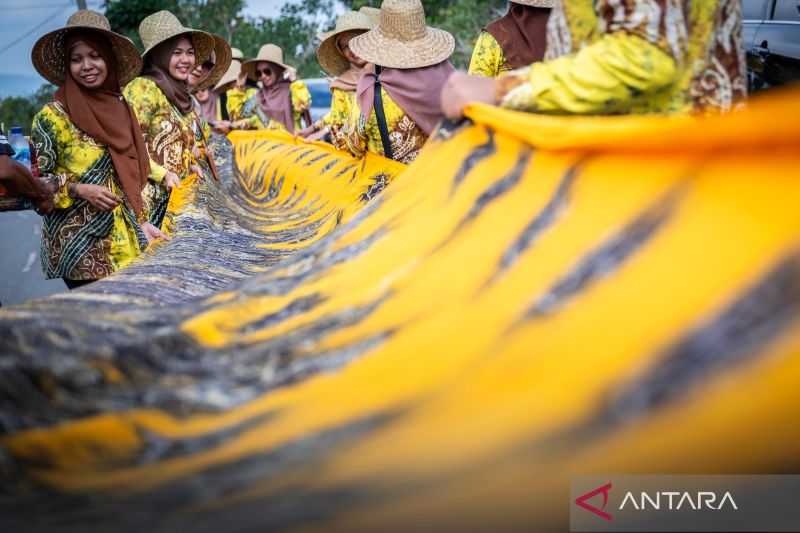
x=72, y=190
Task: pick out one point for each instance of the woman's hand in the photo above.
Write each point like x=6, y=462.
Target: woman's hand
x=462, y=89
x=290, y=74
x=195, y=169
x=305, y=132
x=99, y=197
x=172, y=180
x=222, y=127
x=152, y=233
x=241, y=79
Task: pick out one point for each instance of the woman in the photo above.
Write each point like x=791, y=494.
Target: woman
x=281, y=101
x=89, y=144
x=163, y=104
x=335, y=56
x=513, y=41
x=411, y=68
x=214, y=102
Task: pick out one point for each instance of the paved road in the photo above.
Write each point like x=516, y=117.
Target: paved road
x=21, y=277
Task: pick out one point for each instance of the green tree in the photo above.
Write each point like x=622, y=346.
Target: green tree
x=19, y=110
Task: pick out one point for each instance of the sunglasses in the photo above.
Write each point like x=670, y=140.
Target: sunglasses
x=208, y=65
x=265, y=72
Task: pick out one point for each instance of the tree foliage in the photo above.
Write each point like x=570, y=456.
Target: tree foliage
x=19, y=110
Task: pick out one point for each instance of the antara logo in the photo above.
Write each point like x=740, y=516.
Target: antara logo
x=674, y=500
x=581, y=501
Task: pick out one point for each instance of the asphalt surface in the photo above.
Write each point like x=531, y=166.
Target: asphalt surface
x=21, y=277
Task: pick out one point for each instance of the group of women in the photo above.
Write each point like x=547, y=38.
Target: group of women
x=124, y=128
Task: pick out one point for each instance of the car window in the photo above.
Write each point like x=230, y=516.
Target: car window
x=753, y=9
x=786, y=10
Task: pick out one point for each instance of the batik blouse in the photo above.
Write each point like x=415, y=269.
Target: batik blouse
x=342, y=104
x=243, y=105
x=634, y=56
x=79, y=241
x=405, y=136
x=488, y=59
x=169, y=136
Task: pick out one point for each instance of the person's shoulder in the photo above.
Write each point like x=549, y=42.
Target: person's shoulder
x=299, y=85
x=53, y=112
x=141, y=85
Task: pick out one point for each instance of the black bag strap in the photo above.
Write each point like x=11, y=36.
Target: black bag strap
x=380, y=115
x=223, y=103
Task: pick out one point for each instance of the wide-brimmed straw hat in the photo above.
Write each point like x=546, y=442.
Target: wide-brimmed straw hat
x=402, y=40
x=373, y=13
x=231, y=75
x=329, y=55
x=163, y=26
x=535, y=3
x=49, y=56
x=269, y=52
x=222, y=60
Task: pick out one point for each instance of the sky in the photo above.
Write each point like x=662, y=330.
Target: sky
x=22, y=22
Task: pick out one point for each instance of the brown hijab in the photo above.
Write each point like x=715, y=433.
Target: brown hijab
x=156, y=68
x=522, y=34
x=105, y=115
x=415, y=90
x=275, y=101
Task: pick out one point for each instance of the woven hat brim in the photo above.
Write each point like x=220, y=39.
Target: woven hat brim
x=203, y=43
x=249, y=66
x=49, y=55
x=223, y=60
x=233, y=72
x=375, y=47
x=329, y=55
x=535, y=3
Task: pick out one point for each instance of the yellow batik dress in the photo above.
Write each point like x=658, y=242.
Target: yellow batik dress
x=342, y=104
x=250, y=116
x=488, y=59
x=169, y=137
x=634, y=56
x=79, y=241
x=405, y=136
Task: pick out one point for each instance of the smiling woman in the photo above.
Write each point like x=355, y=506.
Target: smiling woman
x=163, y=104
x=90, y=147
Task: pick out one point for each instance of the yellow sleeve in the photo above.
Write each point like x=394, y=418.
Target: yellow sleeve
x=356, y=134
x=143, y=95
x=235, y=103
x=301, y=97
x=49, y=134
x=340, y=108
x=488, y=59
x=604, y=77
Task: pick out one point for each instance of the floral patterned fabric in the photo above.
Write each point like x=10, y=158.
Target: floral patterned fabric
x=364, y=136
x=635, y=56
x=342, y=104
x=169, y=136
x=243, y=106
x=80, y=242
x=488, y=59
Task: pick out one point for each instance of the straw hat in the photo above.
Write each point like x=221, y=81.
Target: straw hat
x=535, y=3
x=231, y=75
x=402, y=40
x=237, y=54
x=222, y=60
x=163, y=25
x=268, y=52
x=373, y=13
x=50, y=58
x=328, y=53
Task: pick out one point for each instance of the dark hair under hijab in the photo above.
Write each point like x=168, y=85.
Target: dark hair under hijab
x=156, y=68
x=105, y=115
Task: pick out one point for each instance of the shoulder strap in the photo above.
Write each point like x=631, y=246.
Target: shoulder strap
x=223, y=103
x=380, y=115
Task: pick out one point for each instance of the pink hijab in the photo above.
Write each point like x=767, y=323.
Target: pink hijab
x=415, y=90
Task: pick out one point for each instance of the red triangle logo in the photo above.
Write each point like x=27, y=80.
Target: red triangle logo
x=581, y=501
